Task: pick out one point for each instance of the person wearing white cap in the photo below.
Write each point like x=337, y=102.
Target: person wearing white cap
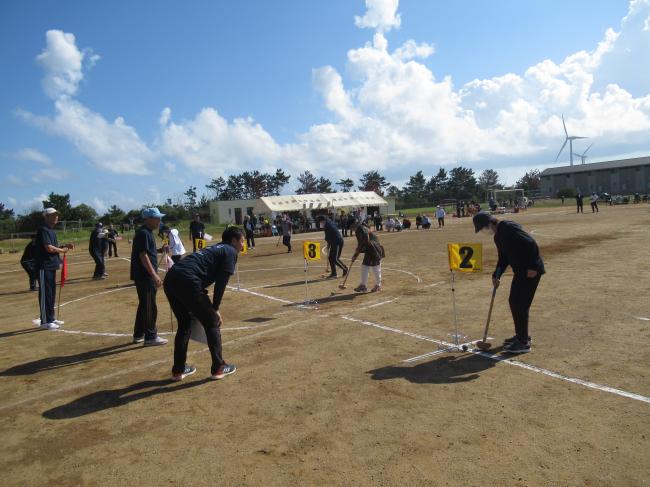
x=144, y=272
x=47, y=263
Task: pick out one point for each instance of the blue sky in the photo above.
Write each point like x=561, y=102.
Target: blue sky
x=132, y=102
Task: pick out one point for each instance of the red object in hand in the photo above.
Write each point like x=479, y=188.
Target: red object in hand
x=64, y=270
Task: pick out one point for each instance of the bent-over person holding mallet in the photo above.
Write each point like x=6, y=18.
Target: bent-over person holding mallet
x=186, y=286
x=518, y=250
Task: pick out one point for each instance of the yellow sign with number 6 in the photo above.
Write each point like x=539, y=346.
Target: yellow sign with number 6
x=199, y=243
x=311, y=250
x=465, y=257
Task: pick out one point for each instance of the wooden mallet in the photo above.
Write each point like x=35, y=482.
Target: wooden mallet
x=484, y=344
x=342, y=286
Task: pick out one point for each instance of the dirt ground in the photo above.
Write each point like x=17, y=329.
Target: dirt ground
x=324, y=395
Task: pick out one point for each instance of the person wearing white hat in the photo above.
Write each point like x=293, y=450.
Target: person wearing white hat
x=47, y=263
x=144, y=272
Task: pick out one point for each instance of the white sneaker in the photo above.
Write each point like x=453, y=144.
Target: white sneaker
x=50, y=326
x=155, y=341
x=59, y=322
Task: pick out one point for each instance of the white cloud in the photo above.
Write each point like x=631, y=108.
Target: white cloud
x=211, y=145
x=380, y=15
x=34, y=155
x=62, y=63
x=112, y=146
x=12, y=201
x=49, y=174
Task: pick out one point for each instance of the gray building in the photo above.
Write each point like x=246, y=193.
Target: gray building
x=625, y=176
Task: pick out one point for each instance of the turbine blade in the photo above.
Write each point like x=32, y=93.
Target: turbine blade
x=587, y=148
x=561, y=149
x=564, y=125
x=576, y=137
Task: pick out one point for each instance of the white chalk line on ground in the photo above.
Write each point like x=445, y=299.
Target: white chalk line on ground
x=642, y=318
x=435, y=284
x=88, y=382
x=510, y=361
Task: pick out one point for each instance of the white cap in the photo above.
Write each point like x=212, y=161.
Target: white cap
x=49, y=211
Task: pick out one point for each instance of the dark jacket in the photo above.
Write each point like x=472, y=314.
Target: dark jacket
x=516, y=249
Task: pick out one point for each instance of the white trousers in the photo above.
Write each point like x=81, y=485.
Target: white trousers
x=376, y=270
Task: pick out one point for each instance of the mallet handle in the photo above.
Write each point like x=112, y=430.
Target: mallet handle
x=487, y=322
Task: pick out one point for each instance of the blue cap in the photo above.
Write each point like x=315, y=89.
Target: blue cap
x=152, y=213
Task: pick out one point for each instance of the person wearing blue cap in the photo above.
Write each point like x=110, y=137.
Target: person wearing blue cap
x=144, y=272
x=518, y=250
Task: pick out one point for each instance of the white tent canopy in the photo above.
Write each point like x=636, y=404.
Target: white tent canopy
x=315, y=201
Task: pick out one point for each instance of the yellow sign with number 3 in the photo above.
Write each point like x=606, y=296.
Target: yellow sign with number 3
x=465, y=257
x=311, y=250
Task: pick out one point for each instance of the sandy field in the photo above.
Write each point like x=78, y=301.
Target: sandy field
x=350, y=391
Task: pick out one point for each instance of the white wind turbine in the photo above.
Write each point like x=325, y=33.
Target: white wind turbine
x=570, y=140
x=583, y=156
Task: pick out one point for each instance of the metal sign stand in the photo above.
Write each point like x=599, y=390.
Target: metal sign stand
x=307, y=300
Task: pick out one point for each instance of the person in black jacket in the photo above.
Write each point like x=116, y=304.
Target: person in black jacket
x=112, y=240
x=335, y=244
x=518, y=250
x=96, y=247
x=197, y=230
x=28, y=261
x=186, y=286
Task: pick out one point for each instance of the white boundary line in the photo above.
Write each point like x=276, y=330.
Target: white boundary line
x=642, y=318
x=509, y=361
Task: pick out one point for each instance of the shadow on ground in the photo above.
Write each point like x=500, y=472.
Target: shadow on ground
x=51, y=363
x=23, y=331
x=448, y=369
x=113, y=398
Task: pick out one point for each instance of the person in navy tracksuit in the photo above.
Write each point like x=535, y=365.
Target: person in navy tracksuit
x=186, y=286
x=47, y=263
x=335, y=244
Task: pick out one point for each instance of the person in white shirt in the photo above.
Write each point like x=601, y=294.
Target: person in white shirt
x=594, y=202
x=440, y=215
x=176, y=247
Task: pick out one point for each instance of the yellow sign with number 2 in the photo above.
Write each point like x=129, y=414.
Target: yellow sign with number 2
x=465, y=257
x=311, y=250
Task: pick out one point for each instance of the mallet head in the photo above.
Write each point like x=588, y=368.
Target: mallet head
x=483, y=345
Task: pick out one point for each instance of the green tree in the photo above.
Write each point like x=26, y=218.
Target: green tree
x=217, y=186
x=346, y=185
x=308, y=183
x=436, y=186
x=394, y=192
x=489, y=179
x=113, y=215
x=530, y=181
x=276, y=182
x=82, y=212
x=415, y=188
x=324, y=186
x=462, y=183
x=191, y=198
x=373, y=181
x=6, y=213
